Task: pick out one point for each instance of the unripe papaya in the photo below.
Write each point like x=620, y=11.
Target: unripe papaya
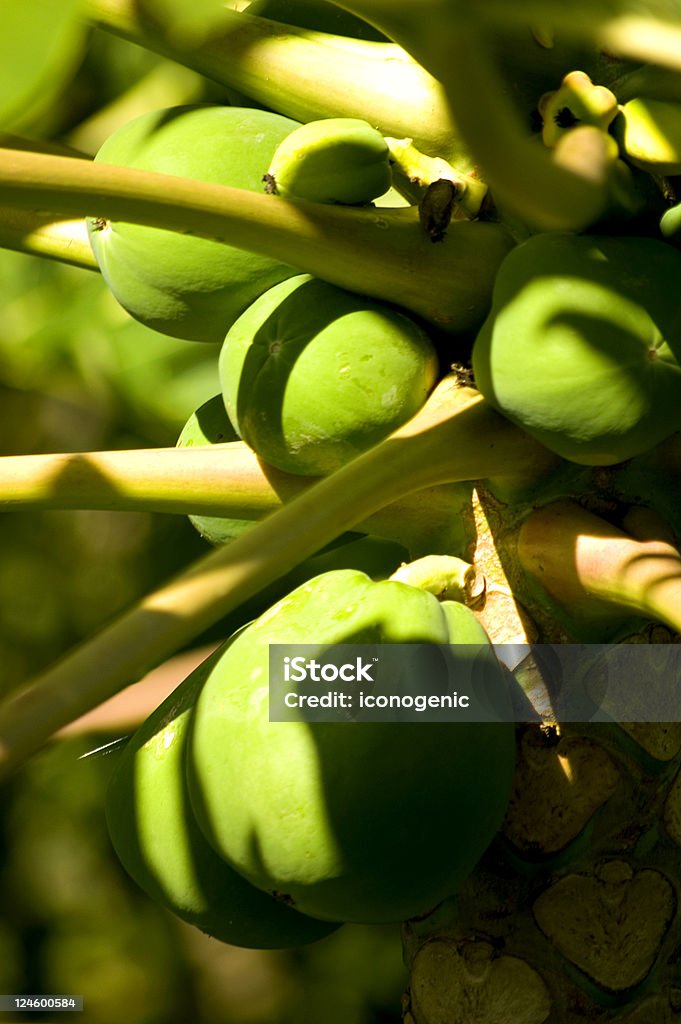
x=360, y=821
x=312, y=375
x=209, y=424
x=649, y=133
x=181, y=285
x=580, y=348
x=160, y=845
x=334, y=160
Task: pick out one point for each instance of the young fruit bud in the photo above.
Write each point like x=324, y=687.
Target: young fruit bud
x=577, y=102
x=335, y=160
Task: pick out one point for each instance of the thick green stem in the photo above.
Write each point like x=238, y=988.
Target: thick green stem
x=219, y=479
x=383, y=253
x=585, y=564
x=446, y=39
x=42, y=235
x=216, y=480
x=36, y=232
x=653, y=37
x=456, y=436
x=306, y=75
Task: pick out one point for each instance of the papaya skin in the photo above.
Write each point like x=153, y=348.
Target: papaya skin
x=335, y=160
x=209, y=425
x=159, y=844
x=579, y=348
x=373, y=822
x=312, y=375
x=191, y=288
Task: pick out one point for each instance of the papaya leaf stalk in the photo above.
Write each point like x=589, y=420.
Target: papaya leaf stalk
x=384, y=253
x=212, y=480
x=456, y=436
x=43, y=234
x=304, y=74
x=649, y=32
x=588, y=565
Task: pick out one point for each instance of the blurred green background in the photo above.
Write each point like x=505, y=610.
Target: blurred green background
x=76, y=373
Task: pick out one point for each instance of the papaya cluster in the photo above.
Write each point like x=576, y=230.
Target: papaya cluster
x=312, y=374
x=273, y=836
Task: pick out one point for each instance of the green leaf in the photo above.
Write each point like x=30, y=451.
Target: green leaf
x=40, y=45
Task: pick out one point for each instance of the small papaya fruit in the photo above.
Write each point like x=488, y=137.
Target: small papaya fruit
x=359, y=821
x=180, y=285
x=334, y=160
x=160, y=845
x=670, y=225
x=312, y=375
x=580, y=348
x=649, y=133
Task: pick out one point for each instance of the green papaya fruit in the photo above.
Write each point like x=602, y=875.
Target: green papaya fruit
x=312, y=375
x=317, y=15
x=359, y=821
x=209, y=424
x=334, y=160
x=670, y=225
x=160, y=845
x=649, y=133
x=184, y=286
x=580, y=348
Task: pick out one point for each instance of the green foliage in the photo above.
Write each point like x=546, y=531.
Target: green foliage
x=188, y=23
x=40, y=46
